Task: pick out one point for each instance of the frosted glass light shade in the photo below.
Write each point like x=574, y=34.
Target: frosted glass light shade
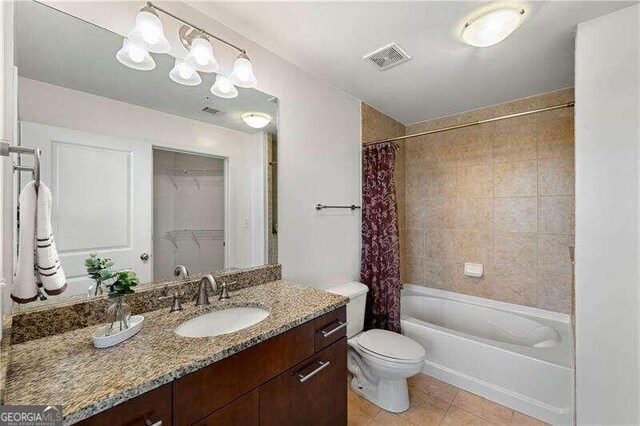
x=148, y=32
x=200, y=56
x=242, y=75
x=256, y=120
x=182, y=73
x=135, y=57
x=492, y=27
x=224, y=88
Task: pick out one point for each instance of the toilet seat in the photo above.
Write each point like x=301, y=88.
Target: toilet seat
x=390, y=346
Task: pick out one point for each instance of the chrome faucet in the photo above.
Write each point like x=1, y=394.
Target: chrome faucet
x=203, y=299
x=181, y=270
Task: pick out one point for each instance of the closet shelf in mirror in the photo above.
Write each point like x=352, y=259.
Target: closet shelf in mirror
x=195, y=235
x=192, y=173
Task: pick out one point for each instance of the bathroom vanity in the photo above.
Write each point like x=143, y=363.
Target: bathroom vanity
x=289, y=368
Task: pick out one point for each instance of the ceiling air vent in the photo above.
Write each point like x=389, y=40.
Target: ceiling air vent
x=210, y=110
x=387, y=57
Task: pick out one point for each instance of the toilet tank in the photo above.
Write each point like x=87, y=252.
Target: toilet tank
x=357, y=294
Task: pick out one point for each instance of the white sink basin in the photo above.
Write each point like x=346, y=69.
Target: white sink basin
x=221, y=322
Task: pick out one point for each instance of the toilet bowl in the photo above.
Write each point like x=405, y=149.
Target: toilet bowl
x=379, y=360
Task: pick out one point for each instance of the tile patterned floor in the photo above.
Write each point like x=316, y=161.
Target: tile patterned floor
x=437, y=403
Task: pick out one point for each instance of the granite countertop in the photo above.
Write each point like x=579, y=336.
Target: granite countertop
x=66, y=369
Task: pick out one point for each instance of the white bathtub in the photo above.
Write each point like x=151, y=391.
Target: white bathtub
x=517, y=356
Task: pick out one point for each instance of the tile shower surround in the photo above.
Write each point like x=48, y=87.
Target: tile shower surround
x=501, y=194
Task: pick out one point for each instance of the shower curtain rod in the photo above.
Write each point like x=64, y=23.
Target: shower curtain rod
x=473, y=123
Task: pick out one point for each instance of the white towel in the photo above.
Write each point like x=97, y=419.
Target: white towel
x=24, y=288
x=48, y=266
x=36, y=204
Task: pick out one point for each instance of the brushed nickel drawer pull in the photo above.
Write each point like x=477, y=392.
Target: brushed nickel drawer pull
x=328, y=333
x=322, y=366
x=150, y=422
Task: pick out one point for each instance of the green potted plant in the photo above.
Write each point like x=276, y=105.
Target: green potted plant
x=119, y=313
x=99, y=269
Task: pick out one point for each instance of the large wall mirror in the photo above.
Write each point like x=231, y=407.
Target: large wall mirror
x=146, y=171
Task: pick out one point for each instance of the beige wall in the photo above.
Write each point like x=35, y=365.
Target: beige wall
x=501, y=194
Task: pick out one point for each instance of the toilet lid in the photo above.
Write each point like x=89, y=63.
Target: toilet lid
x=390, y=345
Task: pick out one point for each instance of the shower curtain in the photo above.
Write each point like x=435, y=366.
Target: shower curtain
x=380, y=259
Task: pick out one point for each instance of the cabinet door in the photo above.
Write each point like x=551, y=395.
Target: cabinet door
x=313, y=392
x=241, y=412
x=151, y=408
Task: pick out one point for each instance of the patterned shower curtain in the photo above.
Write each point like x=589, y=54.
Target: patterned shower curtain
x=379, y=264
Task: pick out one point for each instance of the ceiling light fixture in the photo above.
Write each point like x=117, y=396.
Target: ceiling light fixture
x=200, y=56
x=492, y=27
x=223, y=88
x=135, y=57
x=256, y=120
x=148, y=32
x=242, y=75
x=183, y=73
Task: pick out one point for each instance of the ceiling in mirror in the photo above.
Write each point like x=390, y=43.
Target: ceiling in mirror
x=81, y=56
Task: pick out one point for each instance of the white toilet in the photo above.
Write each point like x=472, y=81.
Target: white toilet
x=380, y=360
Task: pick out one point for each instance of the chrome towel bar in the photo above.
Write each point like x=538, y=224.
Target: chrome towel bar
x=351, y=207
x=6, y=149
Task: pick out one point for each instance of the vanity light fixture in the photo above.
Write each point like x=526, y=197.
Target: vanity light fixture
x=224, y=88
x=148, y=32
x=492, y=27
x=135, y=57
x=147, y=36
x=200, y=56
x=183, y=73
x=256, y=120
x=242, y=75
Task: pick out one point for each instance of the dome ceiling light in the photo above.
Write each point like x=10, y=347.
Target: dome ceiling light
x=147, y=36
x=256, y=120
x=492, y=27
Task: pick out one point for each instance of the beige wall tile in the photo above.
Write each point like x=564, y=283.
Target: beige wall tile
x=514, y=143
x=415, y=212
x=475, y=181
x=519, y=179
x=440, y=213
x=414, y=267
x=555, y=292
x=440, y=244
x=475, y=214
x=440, y=274
x=553, y=252
x=555, y=135
x=515, y=214
x=473, y=246
x=415, y=182
x=513, y=285
x=511, y=249
x=556, y=215
x=556, y=176
x=440, y=182
x=472, y=285
x=475, y=149
x=414, y=242
x=489, y=411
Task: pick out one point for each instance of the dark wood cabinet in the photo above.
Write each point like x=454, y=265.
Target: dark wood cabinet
x=295, y=378
x=313, y=392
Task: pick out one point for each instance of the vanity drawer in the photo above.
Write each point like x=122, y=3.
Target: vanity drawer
x=151, y=408
x=201, y=393
x=313, y=392
x=241, y=412
x=330, y=328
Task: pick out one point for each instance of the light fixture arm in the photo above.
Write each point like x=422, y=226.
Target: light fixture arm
x=203, y=31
